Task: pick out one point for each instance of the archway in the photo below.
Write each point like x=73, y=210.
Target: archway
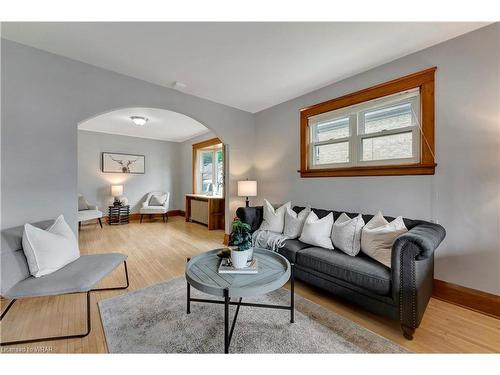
x=45, y=129
x=170, y=170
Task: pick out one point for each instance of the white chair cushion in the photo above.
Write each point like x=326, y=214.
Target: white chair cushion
x=89, y=215
x=153, y=210
x=49, y=250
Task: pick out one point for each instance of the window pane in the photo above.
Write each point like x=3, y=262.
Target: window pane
x=395, y=146
x=206, y=170
x=219, y=170
x=331, y=154
x=333, y=129
x=398, y=116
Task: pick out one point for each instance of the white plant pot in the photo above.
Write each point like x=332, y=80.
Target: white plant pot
x=239, y=259
x=250, y=254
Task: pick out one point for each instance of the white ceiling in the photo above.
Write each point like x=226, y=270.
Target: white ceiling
x=251, y=66
x=162, y=124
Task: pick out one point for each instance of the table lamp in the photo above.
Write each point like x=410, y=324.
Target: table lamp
x=116, y=192
x=247, y=189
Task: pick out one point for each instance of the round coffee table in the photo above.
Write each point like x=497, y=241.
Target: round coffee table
x=274, y=271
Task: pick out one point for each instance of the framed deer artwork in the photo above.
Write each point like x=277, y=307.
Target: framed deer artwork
x=123, y=163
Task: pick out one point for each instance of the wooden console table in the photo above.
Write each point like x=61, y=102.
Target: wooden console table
x=205, y=209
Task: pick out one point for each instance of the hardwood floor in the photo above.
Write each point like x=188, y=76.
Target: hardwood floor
x=158, y=251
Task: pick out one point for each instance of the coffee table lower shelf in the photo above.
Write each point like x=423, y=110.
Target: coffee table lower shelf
x=228, y=333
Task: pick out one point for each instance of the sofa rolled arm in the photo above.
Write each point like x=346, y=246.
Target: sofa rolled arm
x=412, y=268
x=426, y=236
x=251, y=216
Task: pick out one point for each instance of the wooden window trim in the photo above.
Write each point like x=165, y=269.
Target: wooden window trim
x=424, y=80
x=196, y=147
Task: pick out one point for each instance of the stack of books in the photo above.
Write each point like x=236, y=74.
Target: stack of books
x=226, y=267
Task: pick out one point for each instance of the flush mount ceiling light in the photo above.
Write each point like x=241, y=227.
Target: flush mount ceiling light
x=178, y=85
x=139, y=120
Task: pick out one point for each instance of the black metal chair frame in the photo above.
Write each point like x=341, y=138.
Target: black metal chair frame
x=89, y=323
x=98, y=220
x=164, y=216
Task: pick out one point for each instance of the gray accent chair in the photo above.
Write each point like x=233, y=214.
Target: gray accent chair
x=401, y=292
x=80, y=276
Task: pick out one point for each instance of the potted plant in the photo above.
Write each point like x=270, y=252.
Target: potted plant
x=240, y=241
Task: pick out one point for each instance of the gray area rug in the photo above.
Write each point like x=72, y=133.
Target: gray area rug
x=154, y=320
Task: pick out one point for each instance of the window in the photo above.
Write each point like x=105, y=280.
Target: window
x=384, y=130
x=208, y=167
x=211, y=170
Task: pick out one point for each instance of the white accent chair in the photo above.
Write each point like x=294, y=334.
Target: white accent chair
x=146, y=209
x=91, y=213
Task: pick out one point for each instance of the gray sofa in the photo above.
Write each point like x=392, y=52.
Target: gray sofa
x=401, y=292
x=80, y=276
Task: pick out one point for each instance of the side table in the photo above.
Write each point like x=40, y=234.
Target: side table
x=118, y=215
x=274, y=271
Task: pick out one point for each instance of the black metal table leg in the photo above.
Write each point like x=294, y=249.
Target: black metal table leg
x=226, y=321
x=188, y=299
x=228, y=331
x=234, y=320
x=292, y=293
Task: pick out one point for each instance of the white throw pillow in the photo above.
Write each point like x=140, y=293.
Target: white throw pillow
x=49, y=250
x=316, y=231
x=157, y=200
x=346, y=234
x=274, y=219
x=294, y=222
x=82, y=203
x=378, y=236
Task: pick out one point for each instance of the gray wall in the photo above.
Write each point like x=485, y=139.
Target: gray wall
x=163, y=169
x=45, y=96
x=186, y=177
x=464, y=195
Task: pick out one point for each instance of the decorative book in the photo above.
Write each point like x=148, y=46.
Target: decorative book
x=226, y=267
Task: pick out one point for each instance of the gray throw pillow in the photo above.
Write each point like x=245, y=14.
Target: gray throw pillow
x=157, y=200
x=82, y=203
x=346, y=234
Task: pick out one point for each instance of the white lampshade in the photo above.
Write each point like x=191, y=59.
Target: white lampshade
x=116, y=190
x=247, y=188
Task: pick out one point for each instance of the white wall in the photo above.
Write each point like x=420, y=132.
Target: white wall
x=163, y=169
x=45, y=96
x=464, y=195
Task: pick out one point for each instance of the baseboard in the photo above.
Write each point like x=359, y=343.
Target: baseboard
x=472, y=299
x=176, y=213
x=226, y=239
x=137, y=216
